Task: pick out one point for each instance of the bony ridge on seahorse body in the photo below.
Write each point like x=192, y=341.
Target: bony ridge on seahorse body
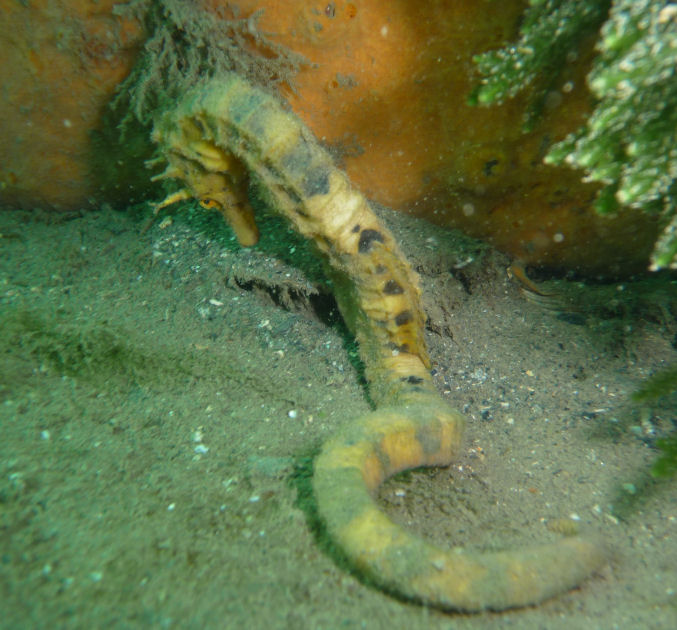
x=226, y=130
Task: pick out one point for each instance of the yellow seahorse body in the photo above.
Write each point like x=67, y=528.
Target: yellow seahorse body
x=225, y=130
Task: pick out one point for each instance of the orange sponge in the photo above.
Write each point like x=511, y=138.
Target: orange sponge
x=60, y=61
x=385, y=88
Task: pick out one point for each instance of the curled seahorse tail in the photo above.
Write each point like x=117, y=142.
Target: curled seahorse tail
x=355, y=462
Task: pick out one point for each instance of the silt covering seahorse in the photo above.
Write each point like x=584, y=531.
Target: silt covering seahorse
x=224, y=132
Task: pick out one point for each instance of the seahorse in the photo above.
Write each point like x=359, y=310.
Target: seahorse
x=226, y=131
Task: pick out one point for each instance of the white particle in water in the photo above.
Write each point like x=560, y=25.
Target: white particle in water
x=468, y=209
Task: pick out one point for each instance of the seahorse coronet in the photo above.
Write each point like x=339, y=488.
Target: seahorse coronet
x=226, y=130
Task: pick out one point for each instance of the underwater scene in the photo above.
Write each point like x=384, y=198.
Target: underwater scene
x=338, y=315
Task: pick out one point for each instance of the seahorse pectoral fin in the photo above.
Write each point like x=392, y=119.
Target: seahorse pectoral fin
x=179, y=195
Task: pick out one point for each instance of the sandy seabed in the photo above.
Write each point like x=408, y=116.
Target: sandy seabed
x=162, y=396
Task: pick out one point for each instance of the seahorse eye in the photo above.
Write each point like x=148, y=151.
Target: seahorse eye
x=209, y=204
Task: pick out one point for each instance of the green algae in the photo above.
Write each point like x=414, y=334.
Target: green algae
x=628, y=143
x=663, y=383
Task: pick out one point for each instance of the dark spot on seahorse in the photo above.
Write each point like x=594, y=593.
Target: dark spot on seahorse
x=392, y=287
x=297, y=157
x=304, y=167
x=403, y=318
x=382, y=457
x=379, y=269
x=255, y=125
x=316, y=181
x=245, y=104
x=414, y=380
x=488, y=167
x=429, y=438
x=356, y=228
x=367, y=239
x=294, y=198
